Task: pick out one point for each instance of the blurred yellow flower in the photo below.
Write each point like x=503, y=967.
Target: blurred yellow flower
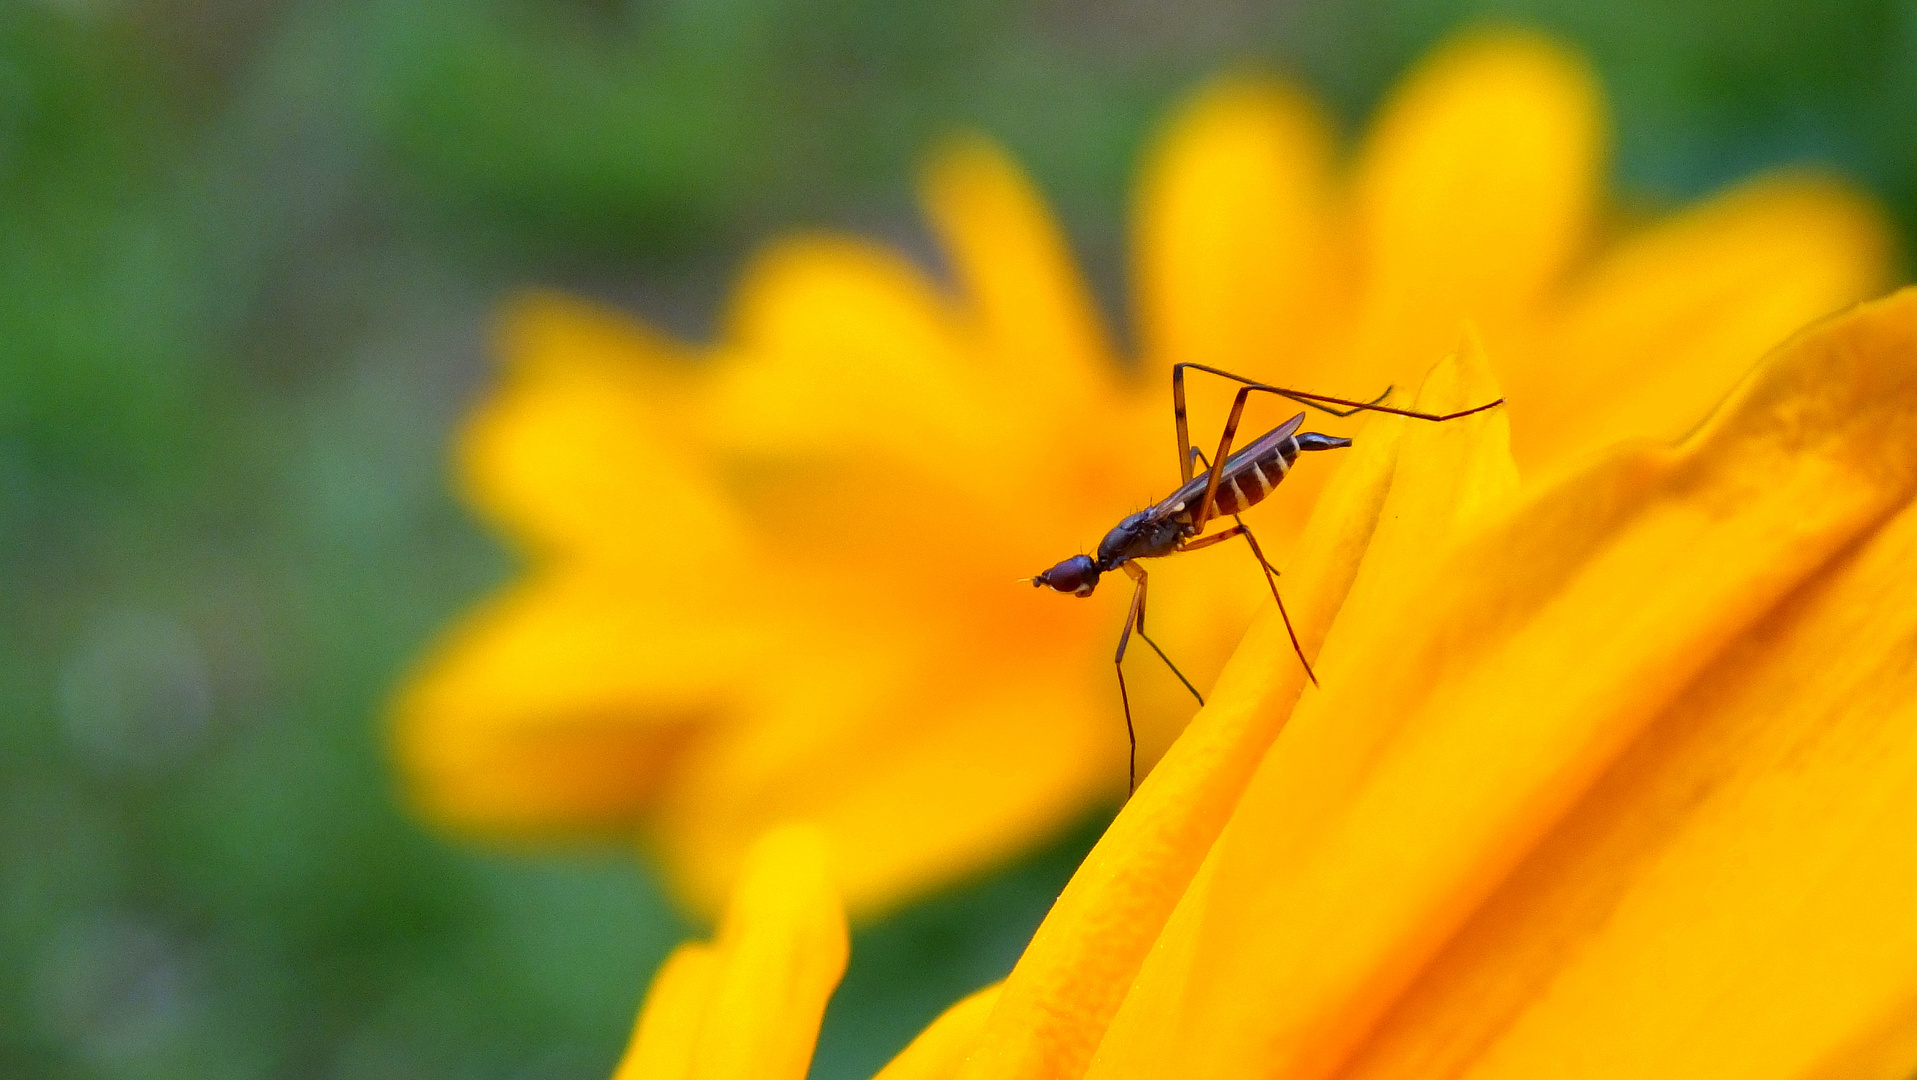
x=1614, y=779
x=772, y=579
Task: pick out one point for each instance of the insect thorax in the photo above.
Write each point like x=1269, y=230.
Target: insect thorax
x=1139, y=537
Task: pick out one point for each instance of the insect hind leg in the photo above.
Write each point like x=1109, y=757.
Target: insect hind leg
x=1239, y=528
x=1271, y=580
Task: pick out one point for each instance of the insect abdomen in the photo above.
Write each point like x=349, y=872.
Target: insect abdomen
x=1245, y=484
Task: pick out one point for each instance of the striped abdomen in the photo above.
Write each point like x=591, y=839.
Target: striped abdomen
x=1251, y=473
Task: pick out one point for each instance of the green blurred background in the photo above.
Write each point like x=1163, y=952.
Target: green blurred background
x=248, y=251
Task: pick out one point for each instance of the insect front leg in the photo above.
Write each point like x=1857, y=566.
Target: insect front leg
x=1135, y=619
x=1205, y=505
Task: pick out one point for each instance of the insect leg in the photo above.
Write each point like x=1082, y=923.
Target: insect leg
x=1218, y=463
x=1135, y=618
x=1315, y=401
x=1271, y=579
x=1132, y=616
x=1271, y=574
x=1185, y=448
x=1355, y=409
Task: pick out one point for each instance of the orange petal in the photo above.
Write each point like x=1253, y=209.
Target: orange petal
x=1042, y=333
x=942, y=1047
x=675, y=1007
x=1668, y=321
x=1733, y=898
x=580, y=450
x=1473, y=193
x=1074, y=974
x=1480, y=709
x=1234, y=259
x=558, y=704
x=783, y=948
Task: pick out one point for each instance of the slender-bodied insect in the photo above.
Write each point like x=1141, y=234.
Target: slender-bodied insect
x=1231, y=484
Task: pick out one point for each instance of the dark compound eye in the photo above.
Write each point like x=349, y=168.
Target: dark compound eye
x=1077, y=575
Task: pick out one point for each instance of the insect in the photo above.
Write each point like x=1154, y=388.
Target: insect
x=1230, y=484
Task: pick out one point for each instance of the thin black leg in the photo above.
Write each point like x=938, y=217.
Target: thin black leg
x=1317, y=401
x=1135, y=618
x=1271, y=579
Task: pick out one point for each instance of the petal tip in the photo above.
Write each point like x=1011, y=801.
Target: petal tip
x=1462, y=378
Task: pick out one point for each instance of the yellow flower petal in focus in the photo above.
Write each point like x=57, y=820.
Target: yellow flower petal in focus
x=1652, y=931
x=1450, y=477
x=1410, y=485
x=748, y=1007
x=1476, y=712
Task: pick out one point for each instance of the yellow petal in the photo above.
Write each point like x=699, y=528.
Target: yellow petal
x=1732, y=899
x=783, y=947
x=1886, y=1052
x=580, y=451
x=942, y=1047
x=1668, y=320
x=1042, y=330
x=1474, y=191
x=914, y=789
x=544, y=332
x=1235, y=263
x=675, y=1007
x=1074, y=974
x=839, y=352
x=837, y=344
x=1451, y=476
x=1398, y=800
x=558, y=704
